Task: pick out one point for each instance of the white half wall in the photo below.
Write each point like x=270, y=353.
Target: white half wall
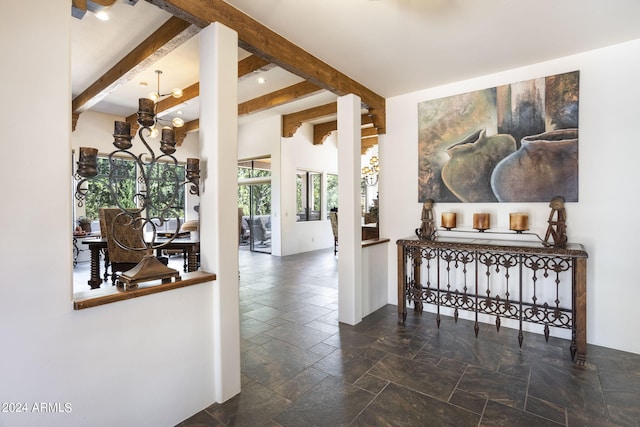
x=608, y=157
x=146, y=361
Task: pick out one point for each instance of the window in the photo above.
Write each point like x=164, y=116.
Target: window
x=308, y=195
x=253, y=172
x=332, y=192
x=125, y=185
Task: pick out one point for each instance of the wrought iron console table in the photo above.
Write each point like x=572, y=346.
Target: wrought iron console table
x=520, y=280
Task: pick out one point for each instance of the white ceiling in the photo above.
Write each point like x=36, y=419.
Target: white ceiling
x=390, y=46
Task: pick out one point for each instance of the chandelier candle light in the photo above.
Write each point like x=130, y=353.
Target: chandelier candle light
x=148, y=199
x=370, y=173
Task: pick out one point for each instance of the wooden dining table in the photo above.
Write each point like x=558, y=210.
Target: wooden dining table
x=189, y=247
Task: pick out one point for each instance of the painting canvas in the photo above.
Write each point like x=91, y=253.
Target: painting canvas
x=511, y=143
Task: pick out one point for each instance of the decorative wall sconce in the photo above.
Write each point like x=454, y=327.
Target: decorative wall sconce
x=148, y=199
x=370, y=173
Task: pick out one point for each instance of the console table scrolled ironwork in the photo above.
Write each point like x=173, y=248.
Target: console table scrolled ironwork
x=459, y=273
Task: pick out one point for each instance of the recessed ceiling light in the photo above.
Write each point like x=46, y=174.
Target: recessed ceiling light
x=261, y=80
x=102, y=15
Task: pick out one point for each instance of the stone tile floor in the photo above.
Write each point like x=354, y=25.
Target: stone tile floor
x=300, y=367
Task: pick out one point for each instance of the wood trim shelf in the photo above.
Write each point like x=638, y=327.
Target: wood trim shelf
x=97, y=297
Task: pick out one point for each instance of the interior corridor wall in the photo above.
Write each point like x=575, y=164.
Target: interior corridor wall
x=299, y=153
x=146, y=361
x=261, y=138
x=602, y=220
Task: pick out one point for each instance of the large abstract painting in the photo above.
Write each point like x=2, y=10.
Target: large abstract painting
x=511, y=143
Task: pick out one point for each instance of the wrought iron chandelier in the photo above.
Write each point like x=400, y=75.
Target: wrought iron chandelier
x=148, y=198
x=370, y=173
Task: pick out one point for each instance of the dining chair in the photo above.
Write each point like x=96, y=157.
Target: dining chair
x=114, y=226
x=333, y=217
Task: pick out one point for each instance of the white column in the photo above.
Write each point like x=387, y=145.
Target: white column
x=219, y=197
x=349, y=223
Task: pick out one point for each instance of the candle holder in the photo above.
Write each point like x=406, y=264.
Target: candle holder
x=518, y=222
x=481, y=221
x=448, y=220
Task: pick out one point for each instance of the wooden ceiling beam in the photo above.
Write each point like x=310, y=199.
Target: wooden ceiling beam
x=279, y=97
x=78, y=8
x=253, y=63
x=245, y=66
x=366, y=143
x=260, y=103
x=169, y=36
x=291, y=122
x=262, y=41
x=321, y=131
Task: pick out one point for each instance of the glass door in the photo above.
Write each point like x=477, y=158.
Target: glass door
x=260, y=218
x=254, y=204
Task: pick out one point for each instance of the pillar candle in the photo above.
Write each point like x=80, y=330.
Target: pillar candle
x=518, y=222
x=481, y=221
x=448, y=220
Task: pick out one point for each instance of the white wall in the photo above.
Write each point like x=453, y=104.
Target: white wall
x=299, y=153
x=146, y=361
x=602, y=220
x=288, y=155
x=262, y=139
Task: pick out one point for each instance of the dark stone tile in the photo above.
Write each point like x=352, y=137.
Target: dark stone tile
x=301, y=383
x=346, y=365
x=322, y=349
x=505, y=389
x=264, y=313
x=370, y=383
x=623, y=406
x=497, y=415
x=464, y=348
x=568, y=385
x=246, y=345
x=399, y=406
x=546, y=409
x=330, y=403
x=276, y=321
x=276, y=362
x=255, y=405
x=251, y=327
x=323, y=326
x=405, y=346
x=580, y=418
x=471, y=402
x=306, y=314
x=298, y=335
x=201, y=419
x=260, y=339
x=319, y=300
x=422, y=377
x=608, y=360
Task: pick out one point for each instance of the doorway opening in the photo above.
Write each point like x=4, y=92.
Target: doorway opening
x=254, y=204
